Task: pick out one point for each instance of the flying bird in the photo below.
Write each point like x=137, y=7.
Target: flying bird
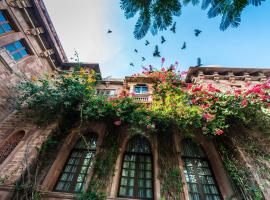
x=109, y=31
x=146, y=43
x=162, y=40
x=184, y=46
x=197, y=32
x=199, y=62
x=173, y=28
x=156, y=52
x=135, y=50
x=143, y=58
x=131, y=64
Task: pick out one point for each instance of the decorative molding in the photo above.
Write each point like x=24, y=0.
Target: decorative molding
x=7, y=59
x=19, y=3
x=34, y=31
x=46, y=53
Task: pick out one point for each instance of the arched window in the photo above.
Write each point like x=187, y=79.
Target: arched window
x=199, y=177
x=137, y=173
x=10, y=145
x=74, y=173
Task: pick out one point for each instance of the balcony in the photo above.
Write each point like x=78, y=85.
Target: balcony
x=142, y=98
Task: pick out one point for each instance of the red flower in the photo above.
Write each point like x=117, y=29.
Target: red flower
x=244, y=103
x=207, y=116
x=148, y=126
x=117, y=123
x=199, y=88
x=211, y=88
x=204, y=106
x=219, y=132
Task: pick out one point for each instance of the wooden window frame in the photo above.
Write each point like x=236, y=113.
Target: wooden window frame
x=136, y=173
x=79, y=166
x=200, y=185
x=6, y=22
x=18, y=50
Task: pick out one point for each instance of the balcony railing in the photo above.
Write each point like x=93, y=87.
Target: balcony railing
x=142, y=98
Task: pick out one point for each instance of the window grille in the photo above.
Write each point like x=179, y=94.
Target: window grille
x=10, y=145
x=137, y=173
x=75, y=171
x=4, y=24
x=17, y=50
x=199, y=177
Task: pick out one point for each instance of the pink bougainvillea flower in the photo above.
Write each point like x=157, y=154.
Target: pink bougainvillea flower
x=247, y=84
x=211, y=88
x=117, y=123
x=219, y=132
x=207, y=116
x=162, y=60
x=244, y=103
x=183, y=73
x=204, y=106
x=196, y=89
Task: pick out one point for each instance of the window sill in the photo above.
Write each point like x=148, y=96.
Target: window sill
x=60, y=195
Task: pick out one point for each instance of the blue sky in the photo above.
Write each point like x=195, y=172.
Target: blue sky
x=83, y=24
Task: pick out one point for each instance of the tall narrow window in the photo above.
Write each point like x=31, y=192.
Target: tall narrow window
x=137, y=176
x=10, y=145
x=4, y=24
x=75, y=170
x=17, y=50
x=199, y=177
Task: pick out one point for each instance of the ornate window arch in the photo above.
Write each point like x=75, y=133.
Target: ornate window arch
x=137, y=171
x=200, y=179
x=74, y=173
x=10, y=145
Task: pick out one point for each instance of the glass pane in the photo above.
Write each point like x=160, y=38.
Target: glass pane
x=123, y=191
x=137, y=90
x=18, y=45
x=23, y=53
x=138, y=144
x=131, y=173
x=149, y=183
x=78, y=187
x=124, y=172
x=6, y=27
x=131, y=182
x=124, y=181
x=64, y=177
x=2, y=18
x=148, y=193
x=10, y=48
x=17, y=56
x=60, y=186
x=130, y=192
x=141, y=192
x=144, y=89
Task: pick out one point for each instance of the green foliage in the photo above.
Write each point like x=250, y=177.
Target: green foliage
x=172, y=185
x=158, y=15
x=239, y=173
x=175, y=104
x=91, y=195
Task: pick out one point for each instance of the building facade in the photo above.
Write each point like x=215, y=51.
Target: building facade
x=29, y=47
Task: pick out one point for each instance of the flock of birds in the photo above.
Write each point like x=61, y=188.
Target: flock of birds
x=156, y=52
